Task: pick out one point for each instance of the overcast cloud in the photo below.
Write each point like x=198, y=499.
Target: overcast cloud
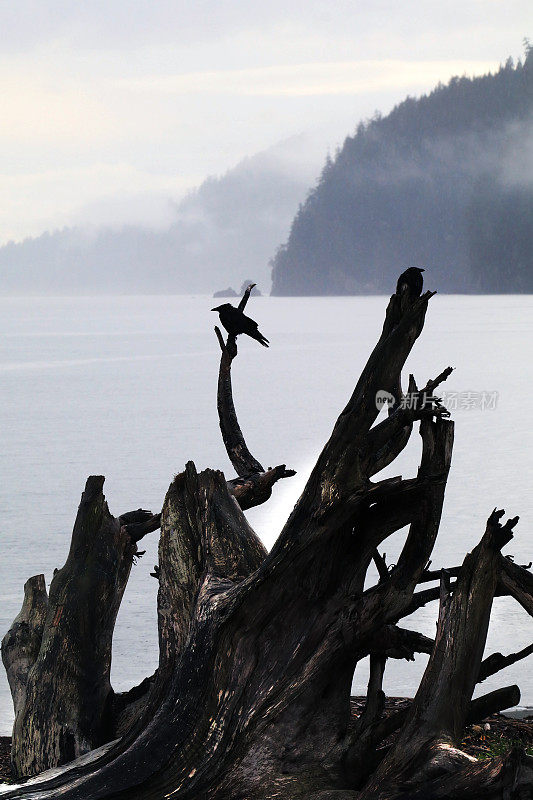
x=106, y=103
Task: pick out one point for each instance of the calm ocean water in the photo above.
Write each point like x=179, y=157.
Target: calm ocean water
x=126, y=387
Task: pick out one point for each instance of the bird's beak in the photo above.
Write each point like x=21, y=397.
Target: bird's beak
x=214, y=309
x=422, y=270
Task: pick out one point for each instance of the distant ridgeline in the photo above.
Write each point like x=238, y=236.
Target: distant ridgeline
x=225, y=229
x=445, y=182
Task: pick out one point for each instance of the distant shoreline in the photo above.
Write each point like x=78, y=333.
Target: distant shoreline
x=209, y=296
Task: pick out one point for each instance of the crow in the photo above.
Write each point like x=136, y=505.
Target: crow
x=235, y=322
x=410, y=281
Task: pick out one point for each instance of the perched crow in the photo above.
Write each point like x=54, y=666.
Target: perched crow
x=235, y=322
x=410, y=281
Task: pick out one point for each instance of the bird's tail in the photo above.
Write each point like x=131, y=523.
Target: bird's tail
x=260, y=338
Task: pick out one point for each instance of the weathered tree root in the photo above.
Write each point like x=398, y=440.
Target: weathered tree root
x=251, y=699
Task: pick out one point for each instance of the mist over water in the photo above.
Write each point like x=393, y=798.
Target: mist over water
x=209, y=238
x=126, y=387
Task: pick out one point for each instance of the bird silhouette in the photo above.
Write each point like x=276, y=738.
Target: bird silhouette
x=235, y=322
x=410, y=282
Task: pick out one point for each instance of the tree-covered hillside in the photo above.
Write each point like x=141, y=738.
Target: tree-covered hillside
x=444, y=181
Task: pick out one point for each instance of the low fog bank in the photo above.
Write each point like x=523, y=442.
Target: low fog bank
x=214, y=237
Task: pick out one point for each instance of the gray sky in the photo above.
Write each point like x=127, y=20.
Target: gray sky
x=107, y=108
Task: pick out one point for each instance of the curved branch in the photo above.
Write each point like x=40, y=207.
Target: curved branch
x=255, y=484
x=243, y=461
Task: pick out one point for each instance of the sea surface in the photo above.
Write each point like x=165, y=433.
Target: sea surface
x=126, y=387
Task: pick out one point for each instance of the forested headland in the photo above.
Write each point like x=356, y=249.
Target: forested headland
x=444, y=181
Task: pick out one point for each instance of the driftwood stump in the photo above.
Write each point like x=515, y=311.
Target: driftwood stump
x=251, y=698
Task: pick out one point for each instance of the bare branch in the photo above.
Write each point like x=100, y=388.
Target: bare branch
x=518, y=583
x=257, y=488
x=381, y=566
x=222, y=343
x=137, y=529
x=444, y=375
x=375, y=697
x=421, y=404
x=496, y=662
x=245, y=297
x=395, y=642
x=492, y=703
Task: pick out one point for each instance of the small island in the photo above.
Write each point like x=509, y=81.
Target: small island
x=229, y=292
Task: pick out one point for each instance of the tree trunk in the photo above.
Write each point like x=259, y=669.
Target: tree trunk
x=62, y=692
x=251, y=698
